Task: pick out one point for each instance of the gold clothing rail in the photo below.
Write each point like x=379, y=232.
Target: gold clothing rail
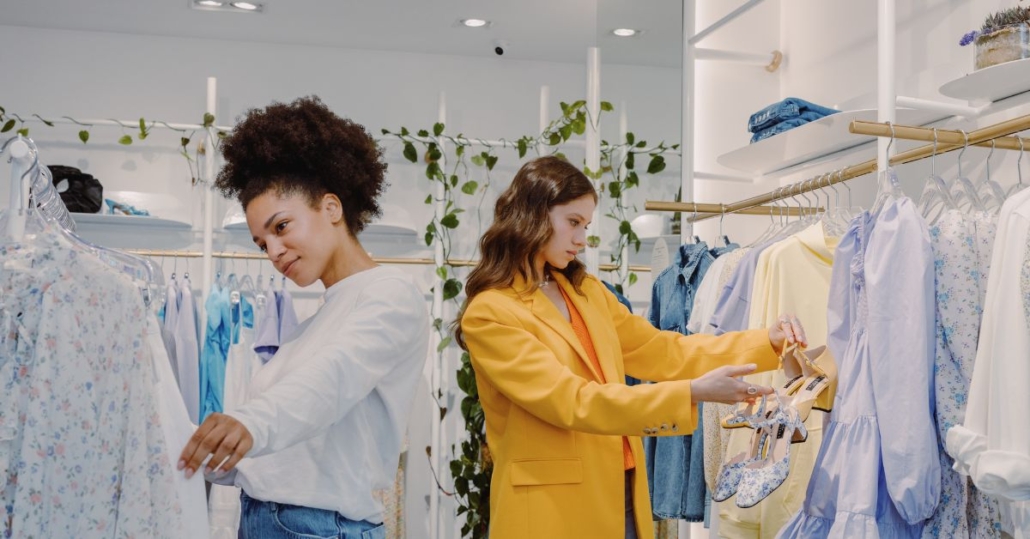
x=459, y=263
x=998, y=132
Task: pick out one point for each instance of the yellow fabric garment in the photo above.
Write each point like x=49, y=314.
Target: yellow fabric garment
x=792, y=276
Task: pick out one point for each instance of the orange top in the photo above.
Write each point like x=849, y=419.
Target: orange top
x=580, y=328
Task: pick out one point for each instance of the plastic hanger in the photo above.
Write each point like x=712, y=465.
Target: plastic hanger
x=774, y=224
x=963, y=191
x=935, y=198
x=1019, y=170
x=724, y=238
x=889, y=187
x=991, y=194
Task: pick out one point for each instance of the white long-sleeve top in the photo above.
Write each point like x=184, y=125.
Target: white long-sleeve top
x=992, y=445
x=328, y=412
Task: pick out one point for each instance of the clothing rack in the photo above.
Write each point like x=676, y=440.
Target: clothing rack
x=461, y=263
x=947, y=141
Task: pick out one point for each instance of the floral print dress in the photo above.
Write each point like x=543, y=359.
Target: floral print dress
x=82, y=452
x=962, y=251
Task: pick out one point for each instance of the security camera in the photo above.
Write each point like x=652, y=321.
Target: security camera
x=499, y=47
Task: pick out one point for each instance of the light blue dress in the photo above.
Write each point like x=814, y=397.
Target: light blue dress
x=878, y=471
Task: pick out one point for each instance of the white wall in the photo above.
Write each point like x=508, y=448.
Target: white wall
x=100, y=75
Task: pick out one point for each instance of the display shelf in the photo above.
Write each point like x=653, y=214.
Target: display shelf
x=812, y=141
x=991, y=83
x=133, y=231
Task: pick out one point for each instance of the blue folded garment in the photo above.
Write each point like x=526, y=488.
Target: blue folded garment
x=786, y=125
x=787, y=109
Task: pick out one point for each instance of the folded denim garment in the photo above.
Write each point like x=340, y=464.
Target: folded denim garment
x=786, y=125
x=791, y=107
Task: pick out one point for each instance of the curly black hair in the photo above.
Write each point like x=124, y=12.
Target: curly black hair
x=304, y=148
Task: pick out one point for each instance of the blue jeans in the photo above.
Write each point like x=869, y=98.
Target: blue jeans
x=791, y=107
x=631, y=519
x=271, y=520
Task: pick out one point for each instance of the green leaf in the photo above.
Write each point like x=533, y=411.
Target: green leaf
x=429, y=199
x=423, y=133
x=24, y=131
x=84, y=136
x=632, y=279
x=450, y=220
x=184, y=141
x=459, y=151
x=454, y=180
x=618, y=288
x=142, y=135
x=630, y=137
x=441, y=272
x=625, y=227
x=404, y=131
x=578, y=104
x=434, y=152
x=3, y=111
x=522, y=148
x=561, y=156
x=455, y=468
x=632, y=180
x=631, y=160
x=222, y=134
x=438, y=129
x=142, y=125
x=564, y=107
x=579, y=127
x=606, y=106
x=469, y=187
x=614, y=189
x=9, y=125
x=478, y=160
x=209, y=119
x=432, y=170
x=429, y=238
x=656, y=165
x=125, y=140
x=451, y=289
x=491, y=160
x=555, y=139
x=444, y=343
x=566, y=132
x=642, y=144
x=409, y=152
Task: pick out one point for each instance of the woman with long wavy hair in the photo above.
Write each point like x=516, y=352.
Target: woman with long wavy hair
x=551, y=347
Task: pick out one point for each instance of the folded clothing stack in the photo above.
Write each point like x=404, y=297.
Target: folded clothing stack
x=784, y=115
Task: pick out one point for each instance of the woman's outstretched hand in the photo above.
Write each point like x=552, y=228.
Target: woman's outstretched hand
x=787, y=328
x=722, y=385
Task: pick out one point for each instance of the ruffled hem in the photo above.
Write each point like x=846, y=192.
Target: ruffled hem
x=846, y=525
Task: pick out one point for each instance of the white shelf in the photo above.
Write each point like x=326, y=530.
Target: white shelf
x=812, y=141
x=105, y=220
x=991, y=83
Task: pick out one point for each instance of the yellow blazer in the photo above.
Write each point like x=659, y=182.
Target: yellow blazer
x=554, y=430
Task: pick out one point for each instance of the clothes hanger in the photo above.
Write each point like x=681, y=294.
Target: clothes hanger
x=935, y=198
x=963, y=191
x=889, y=187
x=1019, y=171
x=774, y=224
x=722, y=215
x=991, y=194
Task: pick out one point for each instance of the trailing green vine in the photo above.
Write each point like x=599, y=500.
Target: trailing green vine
x=130, y=133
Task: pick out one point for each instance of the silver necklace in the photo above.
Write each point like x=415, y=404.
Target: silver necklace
x=546, y=281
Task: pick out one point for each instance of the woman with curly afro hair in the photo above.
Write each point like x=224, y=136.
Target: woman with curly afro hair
x=323, y=427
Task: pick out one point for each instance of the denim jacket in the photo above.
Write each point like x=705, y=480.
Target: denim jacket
x=786, y=125
x=791, y=107
x=675, y=465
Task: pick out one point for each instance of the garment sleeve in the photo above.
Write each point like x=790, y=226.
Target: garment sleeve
x=650, y=354
x=838, y=313
x=384, y=327
x=654, y=311
x=512, y=360
x=899, y=275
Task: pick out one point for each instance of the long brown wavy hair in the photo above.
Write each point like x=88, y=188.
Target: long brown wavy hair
x=522, y=226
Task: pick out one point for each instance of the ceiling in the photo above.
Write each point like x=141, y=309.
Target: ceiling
x=542, y=30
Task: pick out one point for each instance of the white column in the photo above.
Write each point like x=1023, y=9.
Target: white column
x=623, y=129
x=436, y=432
x=687, y=122
x=886, y=81
x=545, y=97
x=207, y=273
x=593, y=149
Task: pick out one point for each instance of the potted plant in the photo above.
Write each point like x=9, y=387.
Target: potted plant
x=1003, y=37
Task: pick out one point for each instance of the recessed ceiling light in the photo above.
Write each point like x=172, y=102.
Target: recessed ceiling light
x=475, y=23
x=209, y=3
x=246, y=6
x=227, y=6
x=625, y=32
